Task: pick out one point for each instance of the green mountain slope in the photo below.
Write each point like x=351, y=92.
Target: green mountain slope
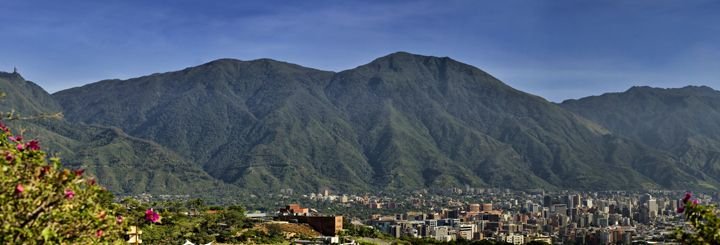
x=400, y=122
x=25, y=97
x=123, y=164
x=257, y=124
x=462, y=119
x=681, y=121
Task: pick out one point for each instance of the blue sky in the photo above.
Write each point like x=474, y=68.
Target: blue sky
x=555, y=48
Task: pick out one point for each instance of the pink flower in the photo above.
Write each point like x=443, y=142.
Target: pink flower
x=119, y=219
x=9, y=157
x=695, y=202
x=17, y=138
x=69, y=194
x=99, y=233
x=152, y=216
x=20, y=147
x=33, y=145
x=4, y=128
x=687, y=197
x=19, y=189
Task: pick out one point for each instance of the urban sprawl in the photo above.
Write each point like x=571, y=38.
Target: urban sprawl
x=517, y=217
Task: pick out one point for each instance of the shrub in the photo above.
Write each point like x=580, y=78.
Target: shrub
x=702, y=222
x=42, y=202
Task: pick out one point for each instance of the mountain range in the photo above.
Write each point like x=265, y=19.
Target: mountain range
x=400, y=122
x=122, y=163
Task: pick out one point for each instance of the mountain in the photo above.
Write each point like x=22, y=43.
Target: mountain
x=122, y=163
x=24, y=96
x=403, y=121
x=257, y=124
x=682, y=121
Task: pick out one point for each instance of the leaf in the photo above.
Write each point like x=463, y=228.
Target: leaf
x=47, y=233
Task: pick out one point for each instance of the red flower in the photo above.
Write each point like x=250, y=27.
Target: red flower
x=69, y=194
x=9, y=157
x=152, y=216
x=33, y=145
x=79, y=172
x=99, y=233
x=687, y=197
x=19, y=189
x=680, y=209
x=15, y=138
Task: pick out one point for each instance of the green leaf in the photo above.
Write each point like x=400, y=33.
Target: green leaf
x=47, y=233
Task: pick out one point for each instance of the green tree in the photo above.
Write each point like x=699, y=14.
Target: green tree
x=42, y=202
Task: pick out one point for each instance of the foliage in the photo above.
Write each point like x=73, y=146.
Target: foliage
x=361, y=231
x=190, y=220
x=125, y=165
x=273, y=236
x=42, y=202
x=703, y=223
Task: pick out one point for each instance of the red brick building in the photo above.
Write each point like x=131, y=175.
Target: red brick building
x=327, y=225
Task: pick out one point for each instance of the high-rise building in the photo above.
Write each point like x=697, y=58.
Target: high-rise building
x=652, y=207
x=560, y=209
x=547, y=201
x=575, y=201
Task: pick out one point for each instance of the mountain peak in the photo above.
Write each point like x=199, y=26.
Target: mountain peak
x=262, y=63
x=223, y=61
x=408, y=63
x=686, y=91
x=11, y=76
x=405, y=56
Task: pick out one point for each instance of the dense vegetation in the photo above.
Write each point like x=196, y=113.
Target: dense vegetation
x=192, y=220
x=682, y=122
x=124, y=164
x=42, y=202
x=402, y=121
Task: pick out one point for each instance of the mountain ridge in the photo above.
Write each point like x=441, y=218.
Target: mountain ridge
x=681, y=121
x=124, y=164
x=402, y=121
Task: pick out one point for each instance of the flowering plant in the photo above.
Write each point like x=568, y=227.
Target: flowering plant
x=702, y=222
x=42, y=202
x=152, y=216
